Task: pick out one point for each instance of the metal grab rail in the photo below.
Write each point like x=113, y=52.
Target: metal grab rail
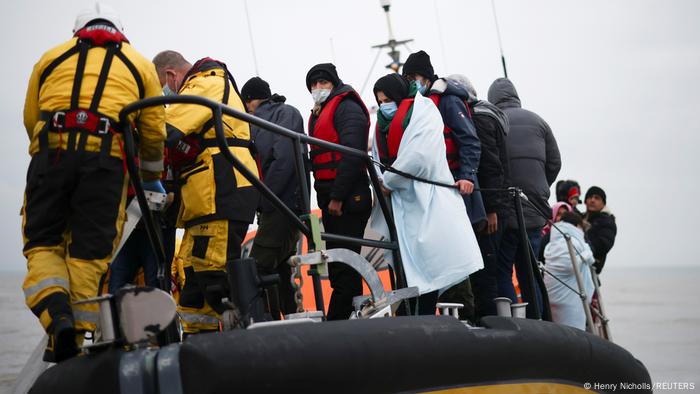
x=218, y=110
x=579, y=282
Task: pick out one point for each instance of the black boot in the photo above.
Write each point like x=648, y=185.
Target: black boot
x=61, y=345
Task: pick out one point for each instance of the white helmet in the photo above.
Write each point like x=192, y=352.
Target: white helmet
x=98, y=11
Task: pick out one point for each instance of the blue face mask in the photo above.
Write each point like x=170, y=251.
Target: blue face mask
x=167, y=91
x=420, y=87
x=388, y=109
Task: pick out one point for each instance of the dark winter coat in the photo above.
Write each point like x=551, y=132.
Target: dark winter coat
x=455, y=116
x=533, y=153
x=494, y=170
x=276, y=153
x=351, y=184
x=601, y=235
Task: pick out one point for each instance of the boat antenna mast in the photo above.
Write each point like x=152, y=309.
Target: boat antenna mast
x=498, y=34
x=392, y=44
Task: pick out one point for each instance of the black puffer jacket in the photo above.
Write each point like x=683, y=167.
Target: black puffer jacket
x=601, y=235
x=352, y=123
x=534, y=155
x=494, y=170
x=276, y=153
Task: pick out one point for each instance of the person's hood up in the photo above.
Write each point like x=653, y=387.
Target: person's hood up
x=502, y=93
x=464, y=82
x=449, y=87
x=555, y=209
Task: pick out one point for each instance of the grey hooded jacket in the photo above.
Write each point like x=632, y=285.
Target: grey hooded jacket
x=534, y=155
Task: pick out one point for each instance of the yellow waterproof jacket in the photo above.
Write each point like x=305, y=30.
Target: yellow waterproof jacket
x=121, y=88
x=211, y=189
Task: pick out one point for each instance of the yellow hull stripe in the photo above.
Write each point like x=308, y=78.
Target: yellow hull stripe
x=516, y=388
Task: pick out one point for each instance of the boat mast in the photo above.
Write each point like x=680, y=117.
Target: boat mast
x=392, y=44
x=498, y=34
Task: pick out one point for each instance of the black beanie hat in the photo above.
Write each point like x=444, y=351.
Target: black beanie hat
x=322, y=71
x=255, y=88
x=595, y=190
x=394, y=87
x=419, y=63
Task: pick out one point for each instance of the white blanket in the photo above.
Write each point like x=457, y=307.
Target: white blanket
x=565, y=304
x=437, y=243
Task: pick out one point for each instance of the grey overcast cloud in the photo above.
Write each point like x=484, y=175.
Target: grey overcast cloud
x=616, y=80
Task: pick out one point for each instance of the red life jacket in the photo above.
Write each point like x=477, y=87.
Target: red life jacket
x=388, y=145
x=324, y=162
x=451, y=148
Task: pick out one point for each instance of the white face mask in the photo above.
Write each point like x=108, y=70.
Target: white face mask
x=320, y=95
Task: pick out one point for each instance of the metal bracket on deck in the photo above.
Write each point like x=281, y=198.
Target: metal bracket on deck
x=134, y=315
x=366, y=306
x=315, y=225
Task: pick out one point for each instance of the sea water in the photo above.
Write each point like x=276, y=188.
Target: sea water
x=653, y=313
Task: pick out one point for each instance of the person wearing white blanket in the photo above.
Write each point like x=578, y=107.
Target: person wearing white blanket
x=437, y=243
x=565, y=304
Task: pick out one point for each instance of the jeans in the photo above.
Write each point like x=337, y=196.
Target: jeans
x=137, y=252
x=512, y=251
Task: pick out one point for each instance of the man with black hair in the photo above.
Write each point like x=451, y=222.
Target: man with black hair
x=341, y=182
x=74, y=201
x=218, y=202
x=276, y=237
x=603, y=229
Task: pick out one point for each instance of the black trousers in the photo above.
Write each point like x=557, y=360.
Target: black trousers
x=345, y=281
x=485, y=281
x=73, y=213
x=275, y=242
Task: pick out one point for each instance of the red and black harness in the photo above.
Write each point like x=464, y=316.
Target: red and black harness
x=79, y=122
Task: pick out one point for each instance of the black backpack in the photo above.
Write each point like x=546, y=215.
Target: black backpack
x=483, y=110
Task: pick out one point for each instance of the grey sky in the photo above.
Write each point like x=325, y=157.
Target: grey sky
x=616, y=80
